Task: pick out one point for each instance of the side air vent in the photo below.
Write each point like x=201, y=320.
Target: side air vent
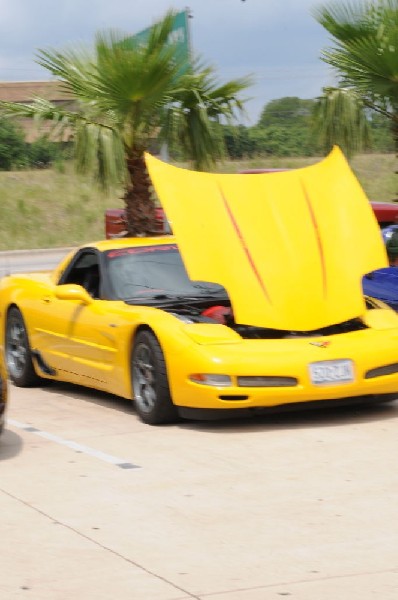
x=380, y=371
x=41, y=363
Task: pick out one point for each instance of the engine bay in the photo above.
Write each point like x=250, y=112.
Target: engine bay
x=223, y=314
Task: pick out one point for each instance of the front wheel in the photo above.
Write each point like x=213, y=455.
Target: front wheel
x=150, y=383
x=17, y=350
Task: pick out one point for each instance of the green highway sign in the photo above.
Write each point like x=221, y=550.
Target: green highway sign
x=179, y=36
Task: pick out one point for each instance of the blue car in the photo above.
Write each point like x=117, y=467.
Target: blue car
x=383, y=283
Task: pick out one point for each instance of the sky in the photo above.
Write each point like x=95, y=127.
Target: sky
x=278, y=42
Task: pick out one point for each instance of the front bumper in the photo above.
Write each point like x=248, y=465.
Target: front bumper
x=371, y=352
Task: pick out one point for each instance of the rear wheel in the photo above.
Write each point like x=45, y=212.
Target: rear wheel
x=18, y=352
x=150, y=383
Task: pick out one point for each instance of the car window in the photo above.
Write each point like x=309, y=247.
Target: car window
x=85, y=271
x=142, y=271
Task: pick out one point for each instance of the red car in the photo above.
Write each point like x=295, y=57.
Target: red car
x=115, y=224
x=386, y=213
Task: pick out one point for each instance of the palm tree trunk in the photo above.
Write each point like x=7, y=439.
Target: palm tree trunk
x=139, y=204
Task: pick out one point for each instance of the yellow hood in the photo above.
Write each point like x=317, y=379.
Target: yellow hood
x=290, y=248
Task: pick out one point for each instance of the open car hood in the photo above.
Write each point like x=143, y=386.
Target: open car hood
x=290, y=248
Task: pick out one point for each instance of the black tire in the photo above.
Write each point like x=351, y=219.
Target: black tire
x=151, y=390
x=17, y=350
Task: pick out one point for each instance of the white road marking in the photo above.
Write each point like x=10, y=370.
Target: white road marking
x=114, y=460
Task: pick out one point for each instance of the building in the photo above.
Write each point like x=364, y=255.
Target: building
x=24, y=92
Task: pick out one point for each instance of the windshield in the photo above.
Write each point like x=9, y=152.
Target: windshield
x=143, y=272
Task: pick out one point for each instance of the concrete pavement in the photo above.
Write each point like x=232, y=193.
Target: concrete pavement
x=302, y=505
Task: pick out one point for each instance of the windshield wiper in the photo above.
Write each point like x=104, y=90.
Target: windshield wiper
x=170, y=299
x=189, y=297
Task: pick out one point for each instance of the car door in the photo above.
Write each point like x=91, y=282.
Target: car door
x=76, y=331
x=93, y=344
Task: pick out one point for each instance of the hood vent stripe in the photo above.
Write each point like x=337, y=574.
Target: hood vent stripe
x=318, y=237
x=244, y=245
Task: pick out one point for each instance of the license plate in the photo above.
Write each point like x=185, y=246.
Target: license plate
x=331, y=371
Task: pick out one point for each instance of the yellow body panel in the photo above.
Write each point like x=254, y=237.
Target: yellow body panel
x=290, y=248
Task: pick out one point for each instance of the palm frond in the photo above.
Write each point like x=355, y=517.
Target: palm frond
x=100, y=152
x=365, y=50
x=197, y=108
x=340, y=119
x=43, y=111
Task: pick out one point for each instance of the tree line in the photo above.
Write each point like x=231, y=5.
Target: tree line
x=17, y=153
x=289, y=127
x=286, y=127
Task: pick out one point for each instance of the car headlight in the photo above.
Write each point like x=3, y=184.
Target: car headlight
x=211, y=379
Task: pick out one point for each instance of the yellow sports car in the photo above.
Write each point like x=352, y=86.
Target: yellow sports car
x=255, y=303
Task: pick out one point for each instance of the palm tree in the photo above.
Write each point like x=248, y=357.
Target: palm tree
x=340, y=117
x=365, y=57
x=129, y=93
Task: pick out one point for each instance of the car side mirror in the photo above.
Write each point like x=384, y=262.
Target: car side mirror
x=72, y=291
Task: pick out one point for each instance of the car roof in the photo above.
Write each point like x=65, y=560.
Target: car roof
x=111, y=244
